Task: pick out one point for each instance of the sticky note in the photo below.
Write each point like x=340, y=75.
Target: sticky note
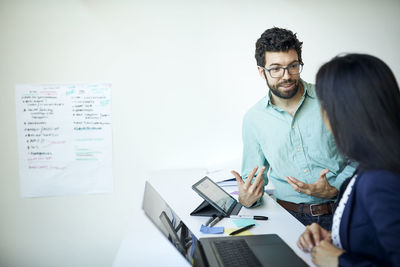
x=211, y=230
x=247, y=232
x=243, y=222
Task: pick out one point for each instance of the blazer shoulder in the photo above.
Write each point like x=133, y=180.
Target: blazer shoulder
x=378, y=176
x=378, y=181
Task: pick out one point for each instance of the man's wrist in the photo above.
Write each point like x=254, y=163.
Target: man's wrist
x=328, y=193
x=333, y=192
x=246, y=204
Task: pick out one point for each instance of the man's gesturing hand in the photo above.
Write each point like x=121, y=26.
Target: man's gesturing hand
x=321, y=188
x=250, y=192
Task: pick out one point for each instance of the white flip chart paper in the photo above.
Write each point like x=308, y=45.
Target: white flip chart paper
x=64, y=139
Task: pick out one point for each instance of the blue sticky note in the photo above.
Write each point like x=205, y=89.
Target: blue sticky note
x=211, y=230
x=243, y=222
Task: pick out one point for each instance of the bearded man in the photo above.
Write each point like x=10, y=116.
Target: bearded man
x=284, y=134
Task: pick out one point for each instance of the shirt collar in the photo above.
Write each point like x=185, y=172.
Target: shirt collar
x=308, y=91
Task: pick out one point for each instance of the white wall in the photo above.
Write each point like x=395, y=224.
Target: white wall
x=183, y=74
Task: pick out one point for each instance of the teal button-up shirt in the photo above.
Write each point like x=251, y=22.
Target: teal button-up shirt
x=299, y=146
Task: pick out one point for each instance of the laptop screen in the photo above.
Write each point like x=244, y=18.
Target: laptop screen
x=165, y=219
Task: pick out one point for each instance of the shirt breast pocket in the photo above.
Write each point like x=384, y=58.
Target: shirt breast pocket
x=320, y=144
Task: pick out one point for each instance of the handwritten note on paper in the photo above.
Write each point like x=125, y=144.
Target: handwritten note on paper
x=64, y=139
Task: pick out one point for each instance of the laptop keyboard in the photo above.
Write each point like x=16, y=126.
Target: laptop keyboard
x=234, y=253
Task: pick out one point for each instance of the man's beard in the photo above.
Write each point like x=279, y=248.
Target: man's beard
x=288, y=94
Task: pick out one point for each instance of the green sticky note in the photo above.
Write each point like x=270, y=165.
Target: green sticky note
x=243, y=222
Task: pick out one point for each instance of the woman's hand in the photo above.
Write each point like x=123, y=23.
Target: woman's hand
x=325, y=254
x=312, y=236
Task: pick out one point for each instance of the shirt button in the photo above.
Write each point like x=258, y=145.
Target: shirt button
x=298, y=149
x=293, y=127
x=305, y=170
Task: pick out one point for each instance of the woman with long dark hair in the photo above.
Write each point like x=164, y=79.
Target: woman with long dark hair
x=360, y=104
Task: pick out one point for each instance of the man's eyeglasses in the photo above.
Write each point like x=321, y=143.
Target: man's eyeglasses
x=278, y=72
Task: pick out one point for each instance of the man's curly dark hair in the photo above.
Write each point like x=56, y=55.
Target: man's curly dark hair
x=276, y=40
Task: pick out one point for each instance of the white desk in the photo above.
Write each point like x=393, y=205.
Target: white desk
x=175, y=188
x=144, y=245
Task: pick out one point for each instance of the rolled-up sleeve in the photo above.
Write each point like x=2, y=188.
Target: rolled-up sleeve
x=347, y=172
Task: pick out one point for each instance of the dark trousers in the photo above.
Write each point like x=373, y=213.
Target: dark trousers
x=324, y=220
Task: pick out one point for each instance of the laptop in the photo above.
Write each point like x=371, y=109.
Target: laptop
x=229, y=251
x=240, y=251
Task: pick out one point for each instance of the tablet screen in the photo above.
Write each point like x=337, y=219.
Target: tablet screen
x=215, y=195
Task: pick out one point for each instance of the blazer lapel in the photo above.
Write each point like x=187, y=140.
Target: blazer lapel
x=346, y=218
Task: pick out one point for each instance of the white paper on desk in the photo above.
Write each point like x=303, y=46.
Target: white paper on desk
x=222, y=171
x=220, y=176
x=64, y=138
x=229, y=182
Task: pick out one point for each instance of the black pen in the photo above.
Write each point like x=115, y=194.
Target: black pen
x=255, y=217
x=242, y=229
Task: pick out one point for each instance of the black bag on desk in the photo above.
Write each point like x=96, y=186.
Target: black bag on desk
x=216, y=200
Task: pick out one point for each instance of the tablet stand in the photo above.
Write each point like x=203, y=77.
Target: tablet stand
x=205, y=209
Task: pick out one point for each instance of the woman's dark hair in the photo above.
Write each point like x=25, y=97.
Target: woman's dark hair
x=276, y=40
x=361, y=98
